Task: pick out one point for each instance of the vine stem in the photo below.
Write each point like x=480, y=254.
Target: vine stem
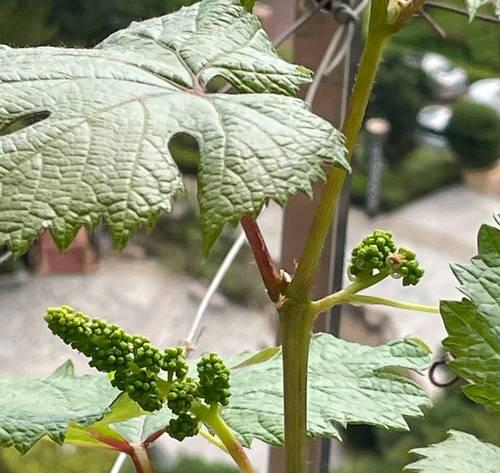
x=211, y=417
x=296, y=328
x=296, y=314
x=140, y=457
x=300, y=287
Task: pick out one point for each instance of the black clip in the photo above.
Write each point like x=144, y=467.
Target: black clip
x=342, y=10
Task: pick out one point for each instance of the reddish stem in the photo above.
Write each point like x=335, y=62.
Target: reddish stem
x=153, y=437
x=115, y=444
x=270, y=275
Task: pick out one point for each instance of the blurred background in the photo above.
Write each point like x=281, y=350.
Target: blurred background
x=426, y=168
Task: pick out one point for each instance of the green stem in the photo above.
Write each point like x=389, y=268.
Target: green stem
x=361, y=299
x=301, y=285
x=211, y=417
x=328, y=302
x=340, y=297
x=213, y=440
x=296, y=328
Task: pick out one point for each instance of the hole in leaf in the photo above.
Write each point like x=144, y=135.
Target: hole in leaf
x=24, y=121
x=219, y=84
x=184, y=148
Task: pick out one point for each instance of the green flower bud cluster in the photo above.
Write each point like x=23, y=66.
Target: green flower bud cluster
x=372, y=253
x=377, y=253
x=212, y=387
x=405, y=265
x=136, y=363
x=181, y=395
x=136, y=366
x=214, y=380
x=185, y=425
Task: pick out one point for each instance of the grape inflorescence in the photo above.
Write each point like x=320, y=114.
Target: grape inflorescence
x=136, y=366
x=378, y=253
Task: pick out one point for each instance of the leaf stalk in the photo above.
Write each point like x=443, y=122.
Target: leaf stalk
x=211, y=417
x=270, y=275
x=140, y=457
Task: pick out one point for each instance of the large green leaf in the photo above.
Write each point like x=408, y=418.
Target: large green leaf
x=474, y=5
x=473, y=325
x=348, y=383
x=84, y=134
x=460, y=453
x=33, y=409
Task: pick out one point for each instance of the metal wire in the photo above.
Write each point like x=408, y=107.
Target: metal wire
x=342, y=51
x=329, y=62
x=118, y=464
x=432, y=373
x=212, y=289
x=5, y=257
x=325, y=61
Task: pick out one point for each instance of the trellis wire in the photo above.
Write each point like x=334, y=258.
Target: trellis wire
x=119, y=462
x=212, y=289
x=5, y=257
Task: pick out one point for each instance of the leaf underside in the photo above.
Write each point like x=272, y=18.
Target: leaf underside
x=473, y=324
x=347, y=384
x=459, y=453
x=32, y=409
x=84, y=134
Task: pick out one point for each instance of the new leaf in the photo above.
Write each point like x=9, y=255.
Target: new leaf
x=473, y=325
x=84, y=134
x=348, y=383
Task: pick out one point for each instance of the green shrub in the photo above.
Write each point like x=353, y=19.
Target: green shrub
x=474, y=134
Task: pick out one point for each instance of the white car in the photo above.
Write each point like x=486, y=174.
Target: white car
x=432, y=121
x=487, y=92
x=447, y=80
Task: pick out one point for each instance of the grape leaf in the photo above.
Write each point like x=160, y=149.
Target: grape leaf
x=474, y=5
x=84, y=134
x=138, y=429
x=348, y=383
x=473, y=324
x=34, y=408
x=459, y=453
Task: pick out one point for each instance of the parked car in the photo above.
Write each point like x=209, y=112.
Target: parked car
x=485, y=91
x=447, y=81
x=432, y=121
